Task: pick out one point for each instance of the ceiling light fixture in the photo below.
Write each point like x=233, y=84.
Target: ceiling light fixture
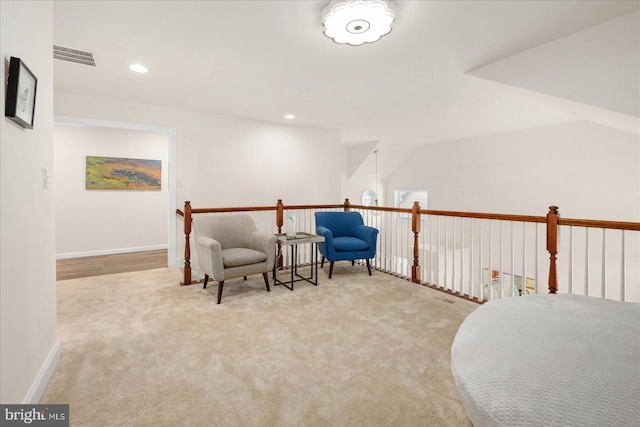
x=289, y=116
x=138, y=68
x=356, y=22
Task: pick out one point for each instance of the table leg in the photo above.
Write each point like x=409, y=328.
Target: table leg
x=294, y=258
x=315, y=252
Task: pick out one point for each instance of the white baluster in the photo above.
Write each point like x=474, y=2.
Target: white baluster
x=431, y=221
x=623, y=272
x=603, y=285
x=481, y=294
x=471, y=257
x=537, y=263
x=501, y=273
x=513, y=270
x=490, y=260
x=586, y=262
x=570, y=259
x=461, y=256
x=446, y=253
x=524, y=258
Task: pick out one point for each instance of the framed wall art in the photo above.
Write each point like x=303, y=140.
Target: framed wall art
x=117, y=173
x=20, y=105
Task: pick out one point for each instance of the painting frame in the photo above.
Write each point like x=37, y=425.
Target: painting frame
x=22, y=84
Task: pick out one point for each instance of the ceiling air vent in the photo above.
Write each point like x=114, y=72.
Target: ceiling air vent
x=73, y=55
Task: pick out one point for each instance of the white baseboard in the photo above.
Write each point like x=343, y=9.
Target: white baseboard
x=43, y=377
x=110, y=251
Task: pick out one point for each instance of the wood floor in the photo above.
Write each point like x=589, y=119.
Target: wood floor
x=74, y=268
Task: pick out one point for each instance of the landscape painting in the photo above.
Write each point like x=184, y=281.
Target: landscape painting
x=116, y=173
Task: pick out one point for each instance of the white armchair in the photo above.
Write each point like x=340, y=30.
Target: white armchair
x=230, y=246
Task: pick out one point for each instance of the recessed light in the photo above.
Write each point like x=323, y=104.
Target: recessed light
x=289, y=116
x=138, y=68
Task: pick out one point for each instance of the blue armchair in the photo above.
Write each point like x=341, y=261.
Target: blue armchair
x=346, y=238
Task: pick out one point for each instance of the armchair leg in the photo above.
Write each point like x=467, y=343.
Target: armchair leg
x=353, y=262
x=206, y=279
x=245, y=277
x=368, y=266
x=266, y=281
x=220, y=285
x=322, y=262
x=330, y=269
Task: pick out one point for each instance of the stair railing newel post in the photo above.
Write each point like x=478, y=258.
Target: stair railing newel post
x=187, y=248
x=415, y=227
x=552, y=247
x=279, y=224
x=347, y=205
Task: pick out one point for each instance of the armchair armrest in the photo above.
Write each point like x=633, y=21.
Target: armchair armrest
x=211, y=261
x=368, y=234
x=264, y=242
x=210, y=243
x=326, y=247
x=326, y=233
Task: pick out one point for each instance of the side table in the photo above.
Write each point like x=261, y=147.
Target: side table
x=293, y=243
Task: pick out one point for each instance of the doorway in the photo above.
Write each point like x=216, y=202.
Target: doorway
x=94, y=223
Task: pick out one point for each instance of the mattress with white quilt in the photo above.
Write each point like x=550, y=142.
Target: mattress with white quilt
x=550, y=360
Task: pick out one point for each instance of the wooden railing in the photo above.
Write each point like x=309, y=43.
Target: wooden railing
x=412, y=237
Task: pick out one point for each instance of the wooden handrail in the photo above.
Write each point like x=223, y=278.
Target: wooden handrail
x=273, y=208
x=237, y=209
x=479, y=215
x=298, y=207
x=380, y=208
x=613, y=225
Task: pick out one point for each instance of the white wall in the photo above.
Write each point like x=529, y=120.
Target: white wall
x=91, y=222
x=228, y=161
x=362, y=174
x=29, y=350
x=363, y=178
x=588, y=170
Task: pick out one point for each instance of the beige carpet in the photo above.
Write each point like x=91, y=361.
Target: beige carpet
x=139, y=350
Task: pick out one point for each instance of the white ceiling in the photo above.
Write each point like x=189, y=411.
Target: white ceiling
x=263, y=59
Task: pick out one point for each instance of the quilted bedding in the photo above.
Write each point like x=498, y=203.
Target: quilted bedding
x=550, y=360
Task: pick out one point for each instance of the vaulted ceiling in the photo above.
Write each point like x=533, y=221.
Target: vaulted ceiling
x=448, y=70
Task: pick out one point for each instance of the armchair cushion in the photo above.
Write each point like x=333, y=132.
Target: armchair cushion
x=236, y=257
x=349, y=244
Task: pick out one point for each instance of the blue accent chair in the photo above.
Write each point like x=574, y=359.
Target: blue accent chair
x=346, y=238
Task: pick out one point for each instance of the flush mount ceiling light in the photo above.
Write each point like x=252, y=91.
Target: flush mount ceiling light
x=138, y=68
x=356, y=22
x=289, y=116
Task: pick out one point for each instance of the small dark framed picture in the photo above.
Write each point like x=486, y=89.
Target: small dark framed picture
x=20, y=105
